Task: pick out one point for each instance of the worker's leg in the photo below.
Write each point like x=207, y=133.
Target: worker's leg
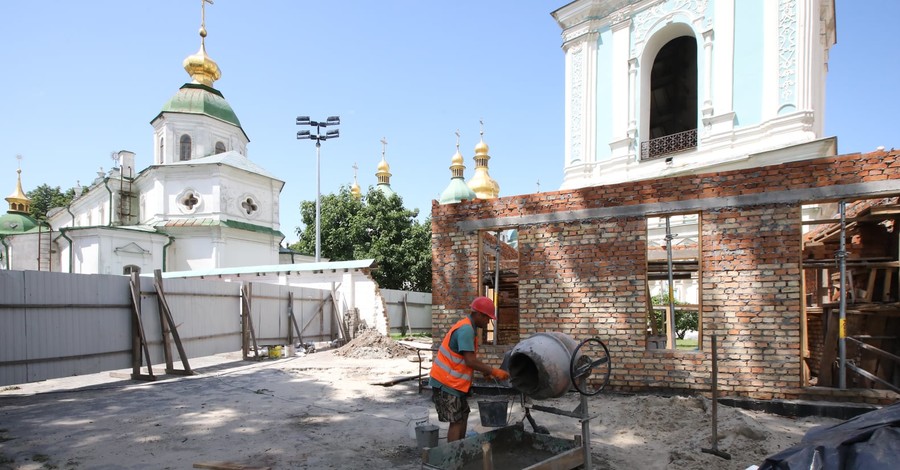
x=453, y=409
x=457, y=430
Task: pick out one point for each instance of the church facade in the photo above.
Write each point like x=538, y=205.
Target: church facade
x=665, y=88
x=201, y=204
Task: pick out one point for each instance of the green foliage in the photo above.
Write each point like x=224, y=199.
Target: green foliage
x=377, y=227
x=43, y=198
x=685, y=320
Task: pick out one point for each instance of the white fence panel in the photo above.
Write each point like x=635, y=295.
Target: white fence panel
x=207, y=314
x=12, y=328
x=417, y=317
x=73, y=325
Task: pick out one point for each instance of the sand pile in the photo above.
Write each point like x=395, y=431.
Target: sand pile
x=370, y=344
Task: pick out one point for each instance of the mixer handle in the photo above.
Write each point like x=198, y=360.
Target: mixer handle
x=581, y=367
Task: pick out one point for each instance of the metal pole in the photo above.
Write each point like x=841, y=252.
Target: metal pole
x=585, y=431
x=497, y=293
x=670, y=333
x=318, y=202
x=842, y=319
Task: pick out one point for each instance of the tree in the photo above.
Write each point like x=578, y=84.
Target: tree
x=43, y=198
x=685, y=320
x=376, y=227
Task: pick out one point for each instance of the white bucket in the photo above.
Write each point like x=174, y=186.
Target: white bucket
x=416, y=416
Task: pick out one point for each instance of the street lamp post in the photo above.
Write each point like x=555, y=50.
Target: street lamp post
x=319, y=138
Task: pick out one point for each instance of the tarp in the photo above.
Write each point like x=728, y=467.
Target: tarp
x=866, y=442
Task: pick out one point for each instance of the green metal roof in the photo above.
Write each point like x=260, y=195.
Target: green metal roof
x=193, y=98
x=457, y=191
x=16, y=222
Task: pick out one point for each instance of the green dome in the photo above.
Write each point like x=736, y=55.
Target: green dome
x=385, y=189
x=457, y=191
x=193, y=98
x=16, y=222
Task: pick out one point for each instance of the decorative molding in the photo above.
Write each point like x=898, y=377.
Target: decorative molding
x=645, y=20
x=189, y=201
x=787, y=52
x=576, y=104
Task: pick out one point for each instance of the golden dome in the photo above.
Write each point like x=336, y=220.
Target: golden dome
x=484, y=186
x=456, y=159
x=383, y=167
x=202, y=69
x=355, y=191
x=18, y=200
x=481, y=148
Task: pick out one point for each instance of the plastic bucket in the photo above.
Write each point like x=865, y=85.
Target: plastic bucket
x=493, y=413
x=416, y=416
x=427, y=436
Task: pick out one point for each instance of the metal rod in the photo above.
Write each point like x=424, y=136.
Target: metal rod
x=585, y=430
x=497, y=293
x=318, y=202
x=670, y=333
x=842, y=318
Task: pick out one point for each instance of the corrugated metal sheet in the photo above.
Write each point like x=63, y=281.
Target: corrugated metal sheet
x=418, y=309
x=59, y=324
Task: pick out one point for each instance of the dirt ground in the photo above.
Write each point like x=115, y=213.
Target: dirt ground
x=322, y=410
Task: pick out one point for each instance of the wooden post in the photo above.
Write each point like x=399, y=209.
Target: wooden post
x=138, y=339
x=173, y=329
x=248, y=317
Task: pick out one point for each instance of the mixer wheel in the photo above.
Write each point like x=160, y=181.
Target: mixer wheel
x=581, y=368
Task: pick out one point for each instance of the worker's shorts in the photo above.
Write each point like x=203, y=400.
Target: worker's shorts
x=450, y=408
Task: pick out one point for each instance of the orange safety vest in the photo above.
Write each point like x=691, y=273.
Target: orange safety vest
x=449, y=367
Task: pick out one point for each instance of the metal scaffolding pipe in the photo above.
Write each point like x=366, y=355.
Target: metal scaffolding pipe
x=670, y=316
x=842, y=319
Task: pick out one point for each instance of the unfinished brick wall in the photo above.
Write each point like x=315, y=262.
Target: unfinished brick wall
x=583, y=257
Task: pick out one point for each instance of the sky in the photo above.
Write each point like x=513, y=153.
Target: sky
x=80, y=80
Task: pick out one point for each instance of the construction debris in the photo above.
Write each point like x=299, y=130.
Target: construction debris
x=370, y=344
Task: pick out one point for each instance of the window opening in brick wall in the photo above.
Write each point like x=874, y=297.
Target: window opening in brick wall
x=872, y=280
x=675, y=237
x=499, y=268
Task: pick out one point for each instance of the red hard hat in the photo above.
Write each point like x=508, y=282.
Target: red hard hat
x=484, y=305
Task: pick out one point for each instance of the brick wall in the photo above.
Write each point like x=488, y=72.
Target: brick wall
x=583, y=256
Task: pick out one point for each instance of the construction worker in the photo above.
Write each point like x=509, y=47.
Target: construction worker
x=455, y=364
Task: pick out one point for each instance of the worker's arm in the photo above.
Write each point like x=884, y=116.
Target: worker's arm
x=475, y=363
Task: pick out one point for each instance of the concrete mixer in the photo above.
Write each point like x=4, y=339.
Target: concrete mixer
x=542, y=366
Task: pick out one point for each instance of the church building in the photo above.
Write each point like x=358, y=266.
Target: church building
x=202, y=204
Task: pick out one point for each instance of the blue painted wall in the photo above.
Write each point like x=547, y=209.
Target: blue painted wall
x=604, y=118
x=748, y=62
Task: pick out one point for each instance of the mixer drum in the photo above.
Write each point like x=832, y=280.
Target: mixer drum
x=539, y=365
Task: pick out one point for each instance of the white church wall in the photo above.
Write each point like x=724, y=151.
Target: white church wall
x=204, y=135
x=608, y=60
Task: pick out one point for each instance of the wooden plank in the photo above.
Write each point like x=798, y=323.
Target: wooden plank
x=245, y=303
x=829, y=349
x=566, y=460
x=138, y=330
x=173, y=329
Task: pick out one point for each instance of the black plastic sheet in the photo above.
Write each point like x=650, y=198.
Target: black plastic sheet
x=870, y=441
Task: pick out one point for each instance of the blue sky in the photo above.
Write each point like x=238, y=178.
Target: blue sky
x=80, y=80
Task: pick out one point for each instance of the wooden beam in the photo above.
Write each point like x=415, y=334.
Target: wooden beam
x=139, y=340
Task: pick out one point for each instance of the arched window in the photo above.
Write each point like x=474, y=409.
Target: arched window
x=673, y=99
x=127, y=270
x=162, y=148
x=220, y=147
x=185, y=150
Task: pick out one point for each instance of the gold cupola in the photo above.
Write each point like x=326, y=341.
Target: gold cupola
x=202, y=69
x=354, y=190
x=18, y=200
x=384, y=172
x=457, y=190
x=484, y=186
